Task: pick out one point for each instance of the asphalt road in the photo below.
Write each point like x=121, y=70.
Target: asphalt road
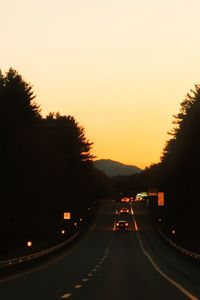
x=110, y=265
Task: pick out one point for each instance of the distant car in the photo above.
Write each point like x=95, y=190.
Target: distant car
x=121, y=225
x=125, y=199
x=124, y=210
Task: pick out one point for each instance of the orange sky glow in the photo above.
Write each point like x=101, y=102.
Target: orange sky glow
x=121, y=68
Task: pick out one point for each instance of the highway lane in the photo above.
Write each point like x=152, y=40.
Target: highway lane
x=111, y=265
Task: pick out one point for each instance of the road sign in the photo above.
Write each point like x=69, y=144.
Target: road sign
x=67, y=216
x=152, y=192
x=161, y=199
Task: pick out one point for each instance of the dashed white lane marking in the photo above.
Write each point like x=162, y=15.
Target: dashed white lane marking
x=65, y=296
x=172, y=281
x=78, y=286
x=135, y=224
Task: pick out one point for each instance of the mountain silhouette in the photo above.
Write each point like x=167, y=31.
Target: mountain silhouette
x=115, y=168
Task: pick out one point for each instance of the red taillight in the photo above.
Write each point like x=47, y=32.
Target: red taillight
x=126, y=224
x=117, y=224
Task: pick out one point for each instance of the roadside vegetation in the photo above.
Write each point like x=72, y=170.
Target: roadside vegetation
x=177, y=175
x=46, y=170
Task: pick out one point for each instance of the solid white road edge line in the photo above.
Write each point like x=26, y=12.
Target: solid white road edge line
x=172, y=281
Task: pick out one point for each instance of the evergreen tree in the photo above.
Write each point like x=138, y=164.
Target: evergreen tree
x=17, y=103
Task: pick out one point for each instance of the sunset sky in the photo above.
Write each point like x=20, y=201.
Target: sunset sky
x=120, y=67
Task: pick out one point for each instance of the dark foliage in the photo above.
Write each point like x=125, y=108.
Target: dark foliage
x=178, y=172
x=46, y=169
x=177, y=175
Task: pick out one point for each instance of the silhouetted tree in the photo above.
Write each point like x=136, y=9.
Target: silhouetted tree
x=17, y=100
x=180, y=165
x=46, y=165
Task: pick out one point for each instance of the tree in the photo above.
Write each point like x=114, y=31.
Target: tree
x=17, y=105
x=46, y=166
x=181, y=163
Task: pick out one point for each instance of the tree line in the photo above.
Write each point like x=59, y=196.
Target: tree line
x=46, y=167
x=177, y=174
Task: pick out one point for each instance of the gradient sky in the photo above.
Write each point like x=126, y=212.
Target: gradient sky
x=120, y=67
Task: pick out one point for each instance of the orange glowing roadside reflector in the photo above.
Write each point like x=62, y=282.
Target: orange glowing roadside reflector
x=161, y=199
x=29, y=243
x=67, y=216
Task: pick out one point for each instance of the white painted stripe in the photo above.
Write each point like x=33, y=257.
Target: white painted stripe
x=65, y=296
x=85, y=279
x=172, y=281
x=78, y=286
x=135, y=224
x=90, y=275
x=94, y=270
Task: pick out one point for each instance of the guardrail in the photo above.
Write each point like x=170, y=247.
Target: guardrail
x=179, y=248
x=26, y=258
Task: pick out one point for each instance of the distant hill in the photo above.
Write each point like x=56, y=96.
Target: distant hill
x=114, y=168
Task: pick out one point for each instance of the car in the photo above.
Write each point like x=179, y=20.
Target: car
x=124, y=210
x=125, y=199
x=121, y=225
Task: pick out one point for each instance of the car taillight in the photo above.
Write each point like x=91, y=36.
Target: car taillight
x=117, y=224
x=126, y=224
